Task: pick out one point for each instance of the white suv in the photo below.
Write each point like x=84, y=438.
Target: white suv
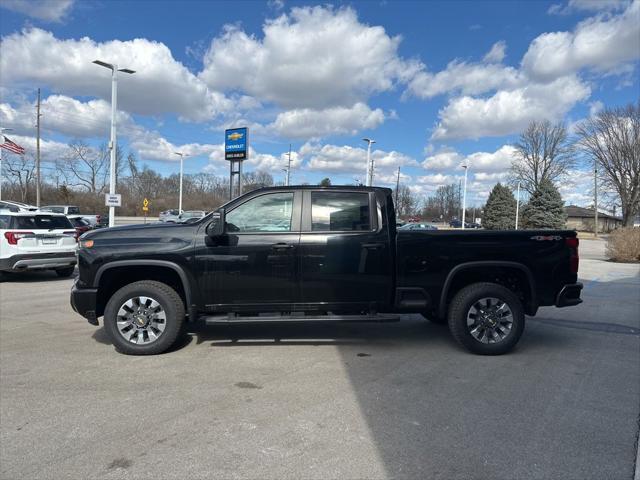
x=37, y=241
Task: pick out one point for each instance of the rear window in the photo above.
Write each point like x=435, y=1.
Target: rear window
x=73, y=211
x=41, y=222
x=340, y=211
x=5, y=220
x=79, y=222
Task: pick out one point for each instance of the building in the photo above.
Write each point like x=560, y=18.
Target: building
x=582, y=219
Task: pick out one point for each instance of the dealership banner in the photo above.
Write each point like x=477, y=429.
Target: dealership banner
x=236, y=144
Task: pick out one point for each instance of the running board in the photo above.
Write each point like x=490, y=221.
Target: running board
x=232, y=318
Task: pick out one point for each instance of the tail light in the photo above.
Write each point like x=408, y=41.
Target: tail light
x=13, y=237
x=574, y=259
x=75, y=234
x=98, y=218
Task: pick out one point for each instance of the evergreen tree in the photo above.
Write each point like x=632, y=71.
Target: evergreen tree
x=545, y=208
x=500, y=210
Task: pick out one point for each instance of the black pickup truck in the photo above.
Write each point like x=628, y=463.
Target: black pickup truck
x=318, y=254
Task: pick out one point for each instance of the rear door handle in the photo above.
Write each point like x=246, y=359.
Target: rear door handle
x=372, y=245
x=282, y=246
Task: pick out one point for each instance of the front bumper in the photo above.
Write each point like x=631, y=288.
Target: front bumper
x=38, y=261
x=83, y=301
x=569, y=295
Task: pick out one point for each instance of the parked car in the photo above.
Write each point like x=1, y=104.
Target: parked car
x=16, y=206
x=418, y=226
x=169, y=216
x=458, y=224
x=190, y=216
x=81, y=224
x=94, y=220
x=321, y=254
x=36, y=241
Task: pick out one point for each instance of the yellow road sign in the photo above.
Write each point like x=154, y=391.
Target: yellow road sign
x=145, y=209
x=145, y=203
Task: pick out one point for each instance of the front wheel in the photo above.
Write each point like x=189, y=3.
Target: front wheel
x=144, y=318
x=486, y=318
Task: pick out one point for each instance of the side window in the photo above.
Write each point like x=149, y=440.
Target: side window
x=340, y=211
x=266, y=213
x=5, y=220
x=73, y=211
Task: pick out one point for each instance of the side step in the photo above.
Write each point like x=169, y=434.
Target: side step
x=232, y=318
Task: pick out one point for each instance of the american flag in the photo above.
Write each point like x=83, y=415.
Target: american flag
x=12, y=146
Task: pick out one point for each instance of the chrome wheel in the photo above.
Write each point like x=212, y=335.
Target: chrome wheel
x=141, y=320
x=489, y=320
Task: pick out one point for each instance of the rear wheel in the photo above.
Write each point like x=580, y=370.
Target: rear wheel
x=486, y=318
x=144, y=318
x=65, y=272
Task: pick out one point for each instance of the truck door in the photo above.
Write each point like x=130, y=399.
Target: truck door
x=345, y=256
x=253, y=266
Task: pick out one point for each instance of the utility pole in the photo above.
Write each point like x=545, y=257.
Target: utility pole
x=518, y=206
x=595, y=190
x=369, y=162
x=464, y=198
x=289, y=167
x=397, y=187
x=38, y=115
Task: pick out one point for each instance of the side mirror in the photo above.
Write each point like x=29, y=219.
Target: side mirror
x=216, y=225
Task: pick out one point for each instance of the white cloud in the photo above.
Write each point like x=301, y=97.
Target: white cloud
x=509, y=111
x=600, y=43
x=160, y=85
x=47, y=10
x=151, y=145
x=498, y=161
x=467, y=78
x=313, y=57
x=497, y=53
x=588, y=6
x=309, y=123
x=443, y=160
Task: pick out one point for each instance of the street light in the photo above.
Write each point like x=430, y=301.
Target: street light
x=112, y=144
x=369, y=162
x=1, y=135
x=464, y=195
x=182, y=155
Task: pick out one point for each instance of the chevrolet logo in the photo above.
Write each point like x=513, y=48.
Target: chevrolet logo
x=235, y=136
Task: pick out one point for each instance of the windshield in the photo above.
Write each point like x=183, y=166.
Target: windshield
x=41, y=222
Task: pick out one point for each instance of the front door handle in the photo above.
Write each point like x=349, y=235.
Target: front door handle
x=282, y=246
x=372, y=246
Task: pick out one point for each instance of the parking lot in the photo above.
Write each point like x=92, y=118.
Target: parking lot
x=397, y=400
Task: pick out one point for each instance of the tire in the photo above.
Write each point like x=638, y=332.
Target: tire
x=472, y=305
x=65, y=272
x=141, y=343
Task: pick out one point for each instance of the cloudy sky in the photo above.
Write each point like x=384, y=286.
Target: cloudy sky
x=435, y=83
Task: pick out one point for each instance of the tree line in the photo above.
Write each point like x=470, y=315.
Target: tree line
x=545, y=154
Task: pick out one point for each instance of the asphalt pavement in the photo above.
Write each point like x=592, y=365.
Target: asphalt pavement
x=397, y=400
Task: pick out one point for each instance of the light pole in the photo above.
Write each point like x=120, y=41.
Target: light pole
x=518, y=206
x=369, y=162
x=2, y=130
x=112, y=144
x=464, y=194
x=182, y=155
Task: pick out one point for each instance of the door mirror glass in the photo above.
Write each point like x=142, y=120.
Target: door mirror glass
x=216, y=225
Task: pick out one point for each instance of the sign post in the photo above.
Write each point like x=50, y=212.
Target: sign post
x=145, y=209
x=236, y=150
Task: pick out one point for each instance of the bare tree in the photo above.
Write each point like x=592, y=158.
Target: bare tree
x=611, y=139
x=407, y=201
x=88, y=168
x=543, y=151
x=20, y=170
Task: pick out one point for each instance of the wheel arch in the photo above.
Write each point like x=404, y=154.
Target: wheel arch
x=178, y=279
x=531, y=301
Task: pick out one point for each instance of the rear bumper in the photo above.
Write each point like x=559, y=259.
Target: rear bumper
x=83, y=301
x=569, y=295
x=38, y=261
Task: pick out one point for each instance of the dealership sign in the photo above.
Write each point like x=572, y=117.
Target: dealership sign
x=236, y=144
